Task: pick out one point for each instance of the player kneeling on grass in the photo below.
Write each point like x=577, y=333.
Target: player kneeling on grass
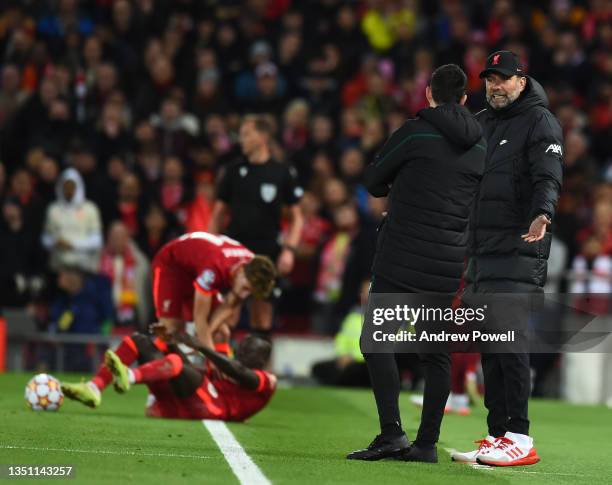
x=178, y=389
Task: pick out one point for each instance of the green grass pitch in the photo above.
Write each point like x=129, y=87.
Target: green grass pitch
x=301, y=437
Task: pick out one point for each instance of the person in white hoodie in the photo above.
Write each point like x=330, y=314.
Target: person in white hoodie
x=73, y=229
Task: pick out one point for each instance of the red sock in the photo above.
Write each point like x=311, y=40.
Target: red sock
x=127, y=352
x=159, y=370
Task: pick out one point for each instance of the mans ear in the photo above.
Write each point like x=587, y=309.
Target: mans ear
x=463, y=99
x=429, y=96
x=522, y=83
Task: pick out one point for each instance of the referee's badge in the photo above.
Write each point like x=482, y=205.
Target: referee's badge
x=268, y=192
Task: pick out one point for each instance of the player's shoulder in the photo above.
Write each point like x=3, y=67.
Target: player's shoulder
x=267, y=380
x=235, y=165
x=545, y=123
x=284, y=166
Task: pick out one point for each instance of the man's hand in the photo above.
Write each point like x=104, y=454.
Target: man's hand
x=285, y=262
x=537, y=229
x=161, y=331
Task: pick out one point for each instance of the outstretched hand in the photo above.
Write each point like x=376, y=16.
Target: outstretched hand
x=537, y=229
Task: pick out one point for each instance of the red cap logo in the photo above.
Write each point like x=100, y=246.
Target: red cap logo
x=495, y=59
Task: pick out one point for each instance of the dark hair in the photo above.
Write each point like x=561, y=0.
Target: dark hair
x=262, y=125
x=254, y=352
x=448, y=84
x=261, y=273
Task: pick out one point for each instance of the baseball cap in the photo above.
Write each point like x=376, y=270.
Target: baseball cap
x=506, y=63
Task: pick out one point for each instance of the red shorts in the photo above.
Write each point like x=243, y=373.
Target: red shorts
x=173, y=290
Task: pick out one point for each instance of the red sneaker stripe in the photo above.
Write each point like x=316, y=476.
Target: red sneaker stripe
x=531, y=459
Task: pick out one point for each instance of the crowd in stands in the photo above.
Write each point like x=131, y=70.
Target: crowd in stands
x=117, y=116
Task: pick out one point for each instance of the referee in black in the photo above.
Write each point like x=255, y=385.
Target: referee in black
x=430, y=168
x=253, y=192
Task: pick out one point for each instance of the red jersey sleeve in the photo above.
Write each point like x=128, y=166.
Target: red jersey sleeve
x=267, y=381
x=207, y=282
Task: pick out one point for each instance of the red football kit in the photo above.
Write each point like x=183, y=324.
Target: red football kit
x=197, y=260
x=220, y=399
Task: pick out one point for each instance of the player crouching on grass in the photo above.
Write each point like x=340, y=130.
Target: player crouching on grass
x=190, y=275
x=180, y=390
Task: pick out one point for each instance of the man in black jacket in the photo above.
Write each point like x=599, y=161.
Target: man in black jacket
x=509, y=243
x=430, y=168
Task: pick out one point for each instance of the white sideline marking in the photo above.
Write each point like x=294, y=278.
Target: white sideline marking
x=247, y=472
x=104, y=452
x=498, y=469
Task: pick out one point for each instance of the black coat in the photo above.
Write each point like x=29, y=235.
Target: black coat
x=434, y=164
x=522, y=180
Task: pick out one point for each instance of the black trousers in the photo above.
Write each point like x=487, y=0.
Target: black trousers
x=507, y=379
x=188, y=380
x=384, y=376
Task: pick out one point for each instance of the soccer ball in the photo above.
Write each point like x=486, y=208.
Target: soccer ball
x=43, y=393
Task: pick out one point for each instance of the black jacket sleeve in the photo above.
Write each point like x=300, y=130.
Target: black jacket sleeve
x=379, y=175
x=545, y=159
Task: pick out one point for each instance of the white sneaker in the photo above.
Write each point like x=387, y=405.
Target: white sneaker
x=417, y=400
x=512, y=449
x=459, y=404
x=485, y=444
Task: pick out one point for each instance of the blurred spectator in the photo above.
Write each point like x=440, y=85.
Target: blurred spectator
x=129, y=273
x=382, y=21
x=295, y=126
x=112, y=135
x=21, y=258
x=175, y=128
x=174, y=191
x=592, y=268
x=245, y=87
x=73, y=228
x=129, y=207
x=22, y=188
x=297, y=299
x=84, y=306
x=348, y=368
x=377, y=102
x=157, y=229
x=320, y=141
x=334, y=257
x=199, y=210
x=269, y=96
x=209, y=96
x=352, y=164
x=11, y=94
